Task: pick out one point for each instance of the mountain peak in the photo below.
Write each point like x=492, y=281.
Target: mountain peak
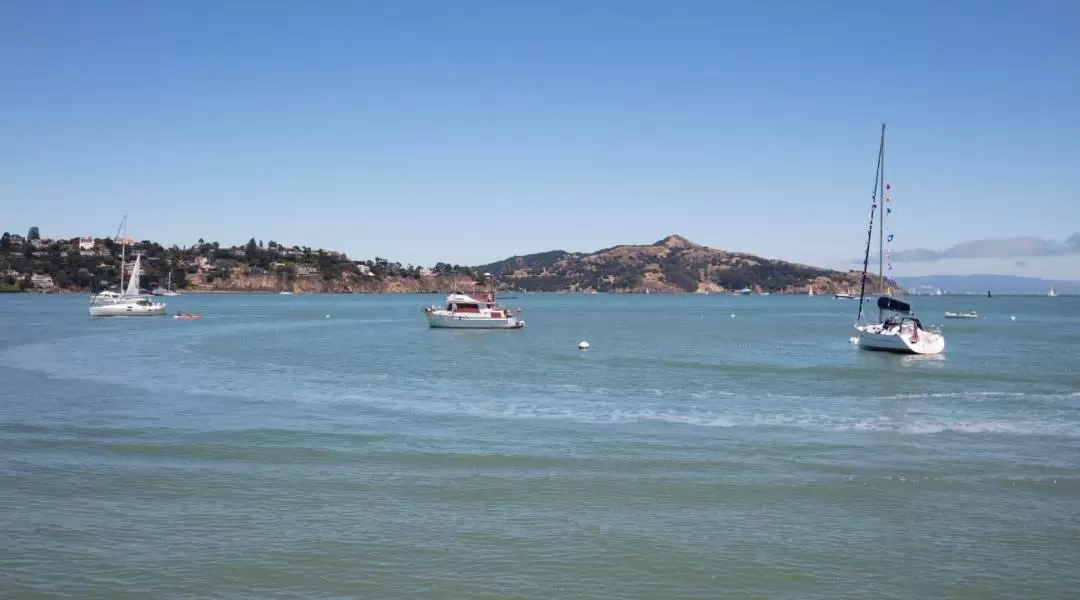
x=676, y=241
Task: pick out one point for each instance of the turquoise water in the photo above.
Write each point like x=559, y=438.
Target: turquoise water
x=267, y=451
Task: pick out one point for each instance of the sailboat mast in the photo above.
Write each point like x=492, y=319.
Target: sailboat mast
x=878, y=183
x=881, y=218
x=123, y=252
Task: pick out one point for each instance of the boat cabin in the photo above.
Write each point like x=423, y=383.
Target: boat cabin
x=468, y=304
x=902, y=323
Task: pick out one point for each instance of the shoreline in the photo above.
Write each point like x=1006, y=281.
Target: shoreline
x=513, y=292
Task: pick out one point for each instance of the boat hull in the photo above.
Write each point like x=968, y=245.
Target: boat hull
x=900, y=342
x=447, y=320
x=127, y=310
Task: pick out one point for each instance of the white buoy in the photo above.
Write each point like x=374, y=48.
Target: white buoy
x=732, y=315
x=327, y=316
x=1013, y=318
x=583, y=345
x=854, y=340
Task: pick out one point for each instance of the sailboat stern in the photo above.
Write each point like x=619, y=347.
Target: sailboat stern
x=900, y=337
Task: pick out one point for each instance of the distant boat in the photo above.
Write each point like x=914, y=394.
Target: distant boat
x=988, y=294
x=810, y=292
x=899, y=331
x=844, y=296
x=962, y=315
x=745, y=291
x=1052, y=292
x=284, y=292
x=167, y=290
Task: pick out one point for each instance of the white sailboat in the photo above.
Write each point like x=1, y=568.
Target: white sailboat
x=132, y=304
x=897, y=329
x=1052, y=292
x=167, y=290
x=109, y=296
x=283, y=291
x=128, y=302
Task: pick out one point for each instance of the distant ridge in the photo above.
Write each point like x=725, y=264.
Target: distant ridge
x=997, y=284
x=672, y=264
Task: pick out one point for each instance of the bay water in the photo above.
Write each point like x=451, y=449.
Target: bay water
x=334, y=446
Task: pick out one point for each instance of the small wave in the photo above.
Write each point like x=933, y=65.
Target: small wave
x=964, y=394
x=932, y=426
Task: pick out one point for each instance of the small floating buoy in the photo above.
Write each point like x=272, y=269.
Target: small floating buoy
x=583, y=345
x=1013, y=318
x=854, y=340
x=327, y=316
x=732, y=315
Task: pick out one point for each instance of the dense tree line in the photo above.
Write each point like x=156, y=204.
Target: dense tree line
x=73, y=268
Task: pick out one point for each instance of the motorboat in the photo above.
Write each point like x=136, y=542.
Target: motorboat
x=473, y=311
x=961, y=315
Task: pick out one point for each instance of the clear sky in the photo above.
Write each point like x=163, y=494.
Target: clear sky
x=468, y=131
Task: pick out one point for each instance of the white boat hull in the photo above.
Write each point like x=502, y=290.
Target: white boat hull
x=871, y=337
x=127, y=310
x=447, y=320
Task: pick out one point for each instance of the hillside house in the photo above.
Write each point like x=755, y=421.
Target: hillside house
x=42, y=281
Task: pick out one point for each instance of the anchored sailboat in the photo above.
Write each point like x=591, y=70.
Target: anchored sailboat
x=167, y=290
x=897, y=329
x=128, y=302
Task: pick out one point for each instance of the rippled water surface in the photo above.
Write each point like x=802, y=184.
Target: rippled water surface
x=704, y=447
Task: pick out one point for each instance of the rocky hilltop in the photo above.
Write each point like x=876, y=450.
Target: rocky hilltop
x=673, y=264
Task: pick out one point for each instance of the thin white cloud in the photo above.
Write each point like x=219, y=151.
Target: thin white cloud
x=1016, y=247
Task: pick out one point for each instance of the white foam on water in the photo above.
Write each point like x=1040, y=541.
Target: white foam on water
x=964, y=394
x=928, y=426
x=198, y=373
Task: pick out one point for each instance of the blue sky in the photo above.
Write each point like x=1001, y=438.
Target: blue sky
x=468, y=131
